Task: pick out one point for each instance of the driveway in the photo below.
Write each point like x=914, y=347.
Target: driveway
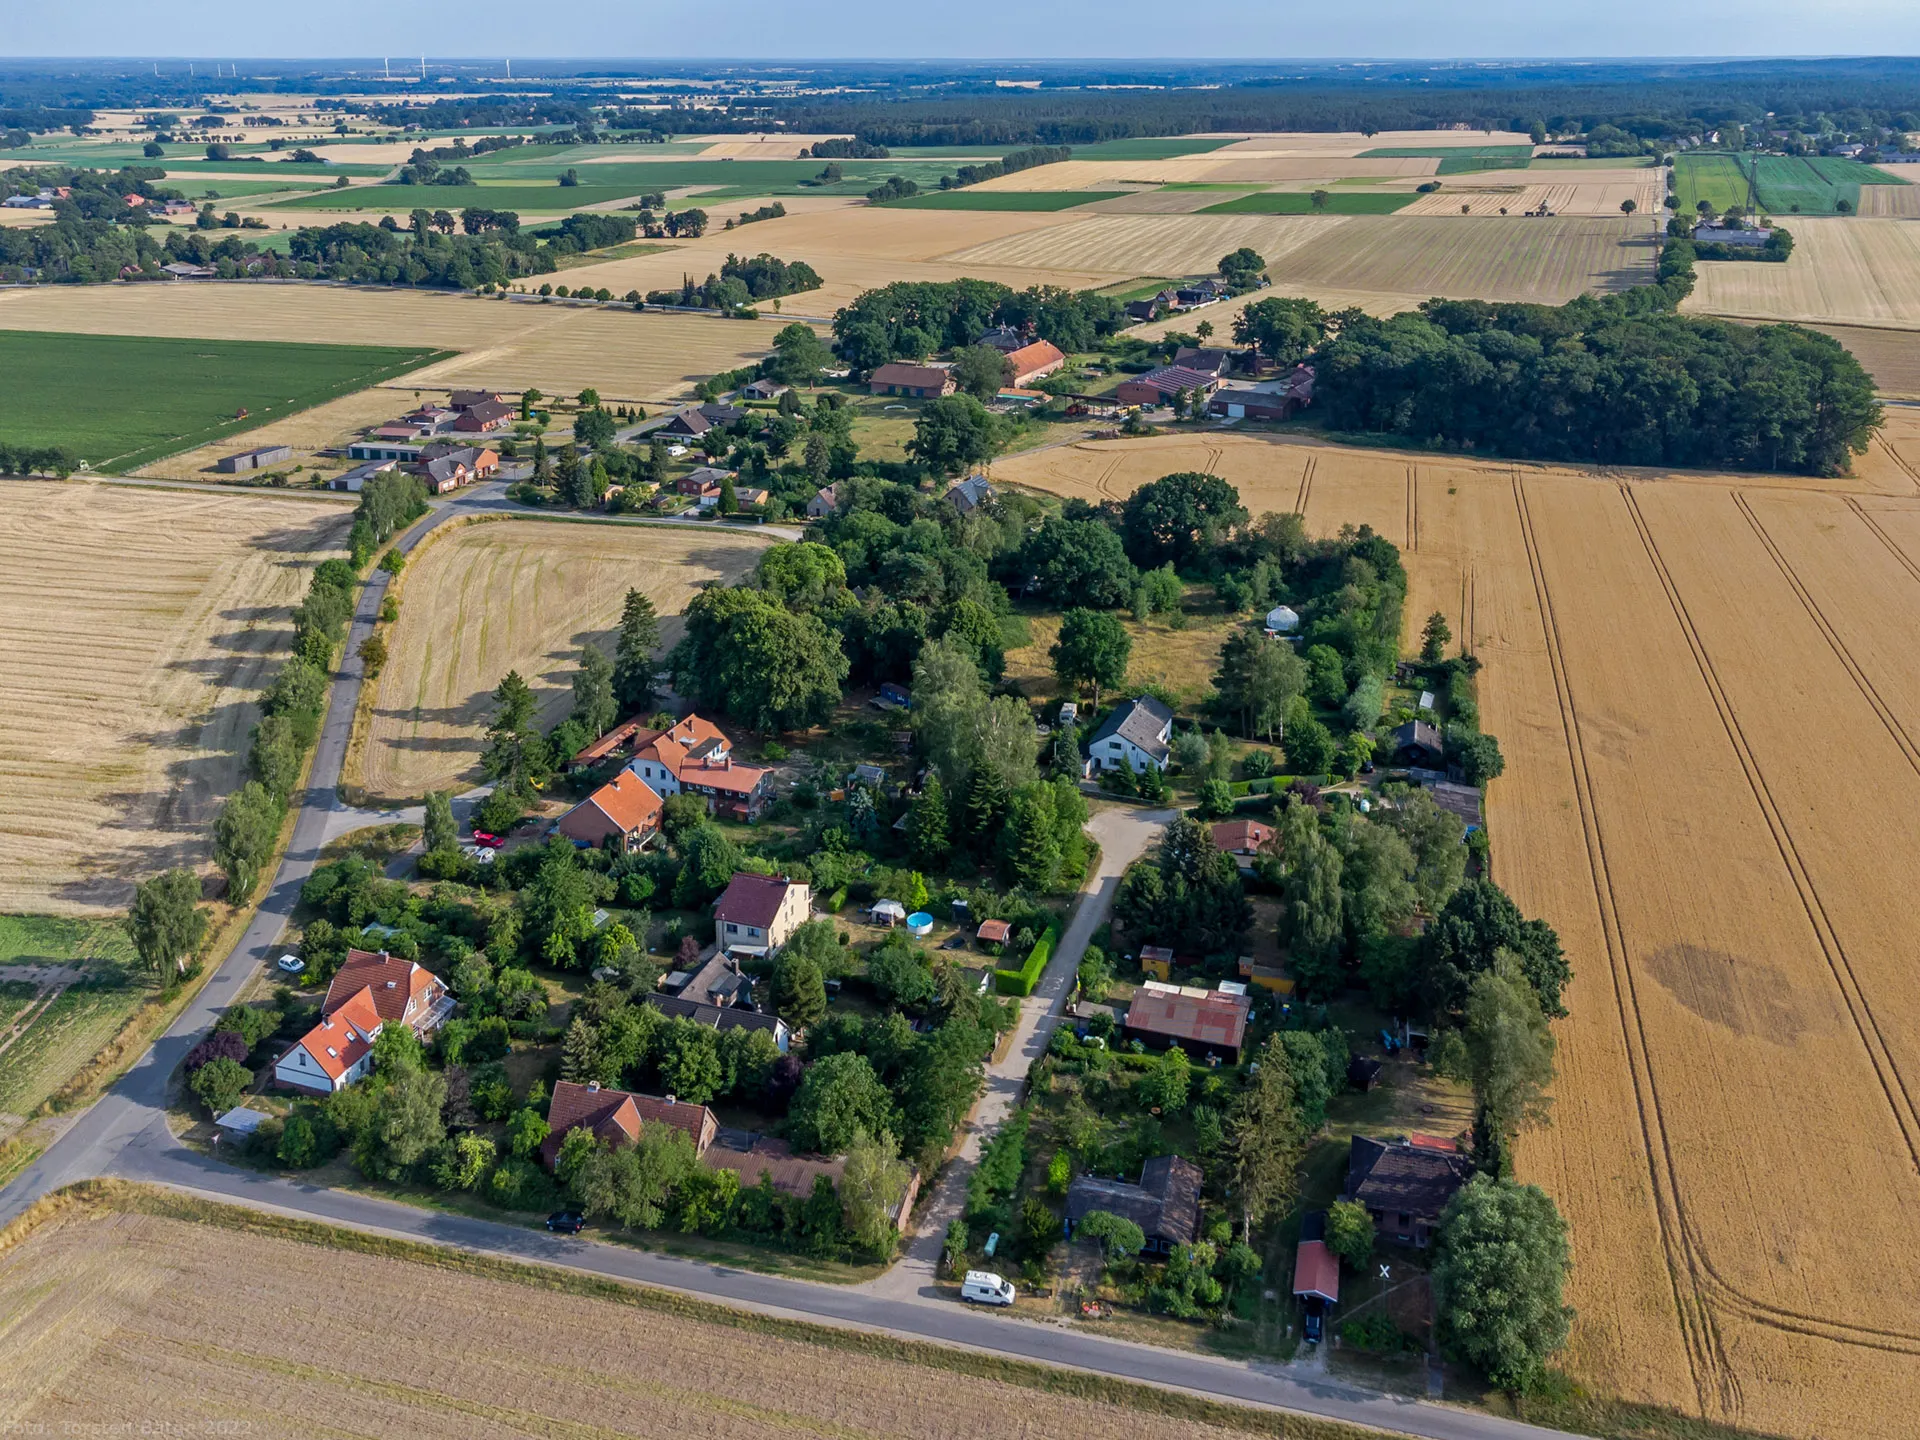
x=1124, y=834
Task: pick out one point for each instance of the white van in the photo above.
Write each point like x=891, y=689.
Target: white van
x=983, y=1287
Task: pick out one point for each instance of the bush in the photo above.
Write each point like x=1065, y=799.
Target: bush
x=220, y=1084
x=1022, y=981
x=252, y=1023
x=221, y=1045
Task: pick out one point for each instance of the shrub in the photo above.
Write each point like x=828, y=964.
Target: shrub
x=221, y=1045
x=220, y=1084
x=1022, y=981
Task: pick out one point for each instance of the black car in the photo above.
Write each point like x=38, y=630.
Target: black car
x=1315, y=1310
x=566, y=1222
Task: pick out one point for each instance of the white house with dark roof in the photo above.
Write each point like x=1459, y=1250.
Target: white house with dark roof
x=756, y=913
x=1137, y=734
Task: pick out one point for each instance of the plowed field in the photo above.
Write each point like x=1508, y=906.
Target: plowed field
x=1705, y=689
x=138, y=629
x=515, y=595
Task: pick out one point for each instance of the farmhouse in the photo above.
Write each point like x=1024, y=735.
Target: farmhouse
x=1403, y=1185
x=756, y=913
x=1206, y=361
x=1730, y=235
x=1417, y=743
x=688, y=422
x=1143, y=310
x=254, y=459
x=1004, y=338
x=921, y=382
x=1137, y=733
x=369, y=993
x=443, y=467
x=616, y=1117
x=623, y=813
x=480, y=418
x=1165, y=1204
x=696, y=757
x=1035, y=361
x=1198, y=1021
x=181, y=270
x=724, y=412
x=464, y=400
x=1164, y=386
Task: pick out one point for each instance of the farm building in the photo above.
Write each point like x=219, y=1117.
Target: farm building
x=1404, y=1186
x=756, y=913
x=254, y=459
x=1204, y=360
x=1164, y=386
x=1004, y=338
x=479, y=419
x=1728, y=235
x=1165, y=1204
x=624, y=812
x=1201, y=1022
x=724, y=412
x=1035, y=361
x=763, y=390
x=921, y=382
x=464, y=400
x=1137, y=733
x=970, y=494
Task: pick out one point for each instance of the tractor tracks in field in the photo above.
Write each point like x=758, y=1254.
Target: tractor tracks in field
x=1306, y=487
x=1715, y=1388
x=1413, y=507
x=1879, y=531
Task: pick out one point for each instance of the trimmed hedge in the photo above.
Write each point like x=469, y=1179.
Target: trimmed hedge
x=1022, y=981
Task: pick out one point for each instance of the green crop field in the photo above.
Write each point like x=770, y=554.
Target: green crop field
x=1624, y=162
x=201, y=188
x=1149, y=149
x=66, y=1034
x=1459, y=159
x=1300, y=202
x=402, y=198
x=126, y=400
x=969, y=199
x=1788, y=184
x=755, y=177
x=271, y=169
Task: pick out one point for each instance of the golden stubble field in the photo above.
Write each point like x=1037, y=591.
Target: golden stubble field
x=562, y=349
x=138, y=629
x=1704, y=686
x=516, y=595
x=201, y=1326
x=1855, y=271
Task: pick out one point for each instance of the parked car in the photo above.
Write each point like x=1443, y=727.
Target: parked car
x=1315, y=1307
x=566, y=1222
x=488, y=839
x=983, y=1287
x=292, y=964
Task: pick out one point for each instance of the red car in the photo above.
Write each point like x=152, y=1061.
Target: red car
x=492, y=842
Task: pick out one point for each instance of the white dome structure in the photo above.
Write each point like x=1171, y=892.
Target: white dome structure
x=1282, y=621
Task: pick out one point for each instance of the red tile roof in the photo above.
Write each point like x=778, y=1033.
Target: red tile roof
x=751, y=900
x=696, y=752
x=393, y=982
x=1235, y=836
x=339, y=1042
x=627, y=801
x=994, y=932
x=913, y=377
x=617, y=1116
x=1316, y=1271
x=1031, y=359
x=1214, y=1019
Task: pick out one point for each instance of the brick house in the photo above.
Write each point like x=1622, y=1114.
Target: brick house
x=625, y=811
x=921, y=382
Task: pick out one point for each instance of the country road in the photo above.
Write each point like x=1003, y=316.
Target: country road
x=126, y=1134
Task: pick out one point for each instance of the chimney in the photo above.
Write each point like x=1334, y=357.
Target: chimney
x=593, y=1087
x=673, y=1099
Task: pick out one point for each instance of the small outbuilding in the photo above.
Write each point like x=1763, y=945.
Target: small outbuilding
x=888, y=912
x=1282, y=620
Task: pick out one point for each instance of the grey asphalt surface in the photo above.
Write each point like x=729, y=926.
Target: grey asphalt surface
x=126, y=1134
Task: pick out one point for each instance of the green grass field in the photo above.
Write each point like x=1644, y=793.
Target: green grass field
x=969, y=199
x=1300, y=202
x=198, y=188
x=1150, y=149
x=1788, y=184
x=272, y=169
x=1624, y=162
x=121, y=401
x=1459, y=159
x=68, y=1033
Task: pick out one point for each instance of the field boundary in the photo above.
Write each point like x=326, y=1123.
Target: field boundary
x=130, y=1198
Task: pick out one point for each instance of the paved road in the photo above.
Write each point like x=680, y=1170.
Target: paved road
x=126, y=1134
x=1124, y=834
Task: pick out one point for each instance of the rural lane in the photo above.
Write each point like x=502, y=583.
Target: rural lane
x=1124, y=834
x=126, y=1134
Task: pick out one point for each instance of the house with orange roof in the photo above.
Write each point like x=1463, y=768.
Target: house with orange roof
x=695, y=756
x=616, y=1117
x=370, y=992
x=624, y=812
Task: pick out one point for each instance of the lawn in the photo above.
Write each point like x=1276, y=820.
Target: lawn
x=1300, y=202
x=126, y=400
x=1149, y=149
x=1459, y=159
x=970, y=199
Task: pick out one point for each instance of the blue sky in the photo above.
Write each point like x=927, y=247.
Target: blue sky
x=983, y=29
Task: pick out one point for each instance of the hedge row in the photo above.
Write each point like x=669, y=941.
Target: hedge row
x=1022, y=981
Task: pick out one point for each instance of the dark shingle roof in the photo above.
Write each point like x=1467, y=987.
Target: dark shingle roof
x=1408, y=1179
x=1165, y=1204
x=1140, y=720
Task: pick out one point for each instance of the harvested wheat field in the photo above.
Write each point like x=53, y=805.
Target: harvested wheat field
x=1890, y=201
x=1352, y=142
x=322, y=427
x=175, y=1310
x=515, y=595
x=1703, y=690
x=1213, y=168
x=1891, y=357
x=506, y=344
x=1844, y=271
x=139, y=628
x=1496, y=258
x=1598, y=193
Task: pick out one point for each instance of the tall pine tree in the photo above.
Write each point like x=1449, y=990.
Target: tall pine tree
x=593, y=699
x=930, y=825
x=987, y=800
x=633, y=666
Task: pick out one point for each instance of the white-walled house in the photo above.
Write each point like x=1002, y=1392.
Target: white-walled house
x=369, y=993
x=756, y=913
x=1138, y=734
